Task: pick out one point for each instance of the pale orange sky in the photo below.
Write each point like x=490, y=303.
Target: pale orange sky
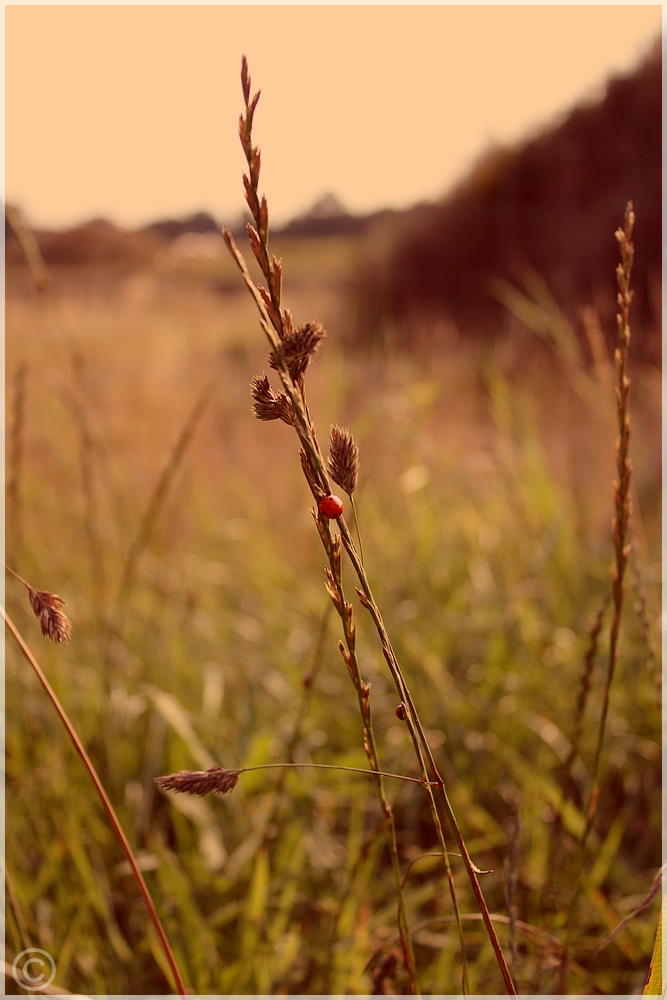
x=131, y=112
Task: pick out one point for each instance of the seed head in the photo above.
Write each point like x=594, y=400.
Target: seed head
x=268, y=404
x=298, y=347
x=343, y=461
x=53, y=622
x=215, y=779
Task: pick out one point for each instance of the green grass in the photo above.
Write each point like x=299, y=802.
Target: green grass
x=485, y=503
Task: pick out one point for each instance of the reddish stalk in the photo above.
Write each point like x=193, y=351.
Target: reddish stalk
x=622, y=550
x=108, y=808
x=289, y=357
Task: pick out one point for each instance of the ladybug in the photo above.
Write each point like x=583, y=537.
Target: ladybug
x=331, y=507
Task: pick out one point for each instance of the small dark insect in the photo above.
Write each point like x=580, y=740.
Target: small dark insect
x=400, y=712
x=331, y=507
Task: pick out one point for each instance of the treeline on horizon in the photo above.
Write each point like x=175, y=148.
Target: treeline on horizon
x=546, y=207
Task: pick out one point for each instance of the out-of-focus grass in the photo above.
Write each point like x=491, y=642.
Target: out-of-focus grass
x=484, y=500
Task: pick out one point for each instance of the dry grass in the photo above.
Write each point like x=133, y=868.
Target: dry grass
x=485, y=502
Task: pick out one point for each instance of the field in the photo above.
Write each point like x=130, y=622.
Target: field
x=176, y=526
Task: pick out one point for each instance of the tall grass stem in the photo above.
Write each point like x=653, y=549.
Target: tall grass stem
x=108, y=808
x=620, y=524
x=277, y=326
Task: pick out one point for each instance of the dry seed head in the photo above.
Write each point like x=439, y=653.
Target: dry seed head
x=315, y=487
x=298, y=346
x=269, y=405
x=335, y=552
x=255, y=166
x=273, y=313
x=243, y=134
x=245, y=80
x=257, y=246
x=276, y=277
x=332, y=590
x=53, y=622
x=368, y=748
x=343, y=461
x=215, y=779
x=263, y=217
x=348, y=663
x=253, y=105
x=363, y=600
x=304, y=340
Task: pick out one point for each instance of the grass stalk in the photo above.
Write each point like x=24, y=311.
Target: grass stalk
x=13, y=901
x=104, y=798
x=33, y=255
x=546, y=941
x=585, y=683
x=161, y=490
x=425, y=756
x=236, y=771
x=15, y=467
x=356, y=524
x=620, y=523
x=277, y=326
x=90, y=492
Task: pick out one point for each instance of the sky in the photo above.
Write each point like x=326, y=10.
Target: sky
x=131, y=112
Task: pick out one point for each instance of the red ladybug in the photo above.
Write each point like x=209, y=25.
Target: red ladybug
x=331, y=507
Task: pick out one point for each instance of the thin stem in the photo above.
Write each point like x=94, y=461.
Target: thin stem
x=329, y=767
x=620, y=524
x=16, y=575
x=436, y=854
x=17, y=911
x=344, y=608
x=15, y=467
x=585, y=684
x=368, y=601
x=547, y=941
x=108, y=808
x=161, y=490
x=356, y=524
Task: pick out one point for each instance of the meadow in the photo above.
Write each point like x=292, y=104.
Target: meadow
x=142, y=489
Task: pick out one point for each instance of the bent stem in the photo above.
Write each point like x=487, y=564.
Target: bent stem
x=329, y=767
x=108, y=808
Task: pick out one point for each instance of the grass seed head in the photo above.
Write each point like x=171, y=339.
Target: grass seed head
x=54, y=623
x=298, y=347
x=215, y=779
x=269, y=405
x=343, y=461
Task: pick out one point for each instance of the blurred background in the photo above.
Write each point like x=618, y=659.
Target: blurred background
x=444, y=185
